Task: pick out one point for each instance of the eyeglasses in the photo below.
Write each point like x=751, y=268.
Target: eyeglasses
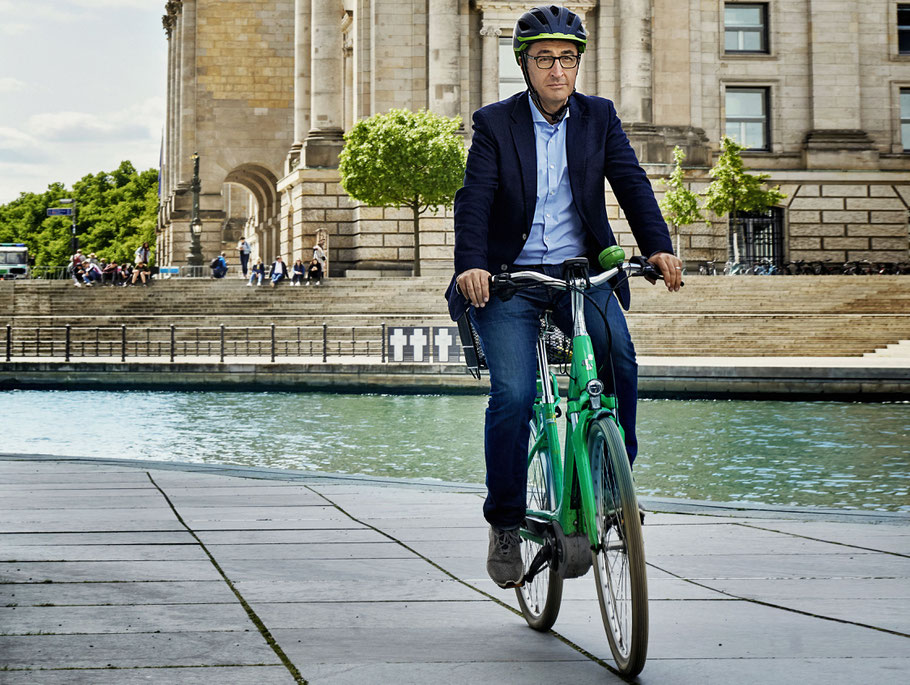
x=547, y=61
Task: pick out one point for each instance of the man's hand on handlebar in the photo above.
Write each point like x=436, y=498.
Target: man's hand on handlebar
x=670, y=267
x=474, y=284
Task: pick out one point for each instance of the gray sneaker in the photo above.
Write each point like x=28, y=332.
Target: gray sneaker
x=504, y=558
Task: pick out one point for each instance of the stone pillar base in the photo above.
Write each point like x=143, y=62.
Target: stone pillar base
x=322, y=148
x=839, y=149
x=294, y=158
x=648, y=143
x=692, y=140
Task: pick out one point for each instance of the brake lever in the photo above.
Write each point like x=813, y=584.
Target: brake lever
x=502, y=286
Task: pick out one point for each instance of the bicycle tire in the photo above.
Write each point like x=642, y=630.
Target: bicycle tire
x=619, y=561
x=541, y=598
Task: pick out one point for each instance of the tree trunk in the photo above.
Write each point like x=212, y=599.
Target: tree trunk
x=416, y=209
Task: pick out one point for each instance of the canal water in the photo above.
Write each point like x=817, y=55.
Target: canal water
x=831, y=454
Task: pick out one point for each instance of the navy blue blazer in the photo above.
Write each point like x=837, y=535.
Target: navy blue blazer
x=495, y=206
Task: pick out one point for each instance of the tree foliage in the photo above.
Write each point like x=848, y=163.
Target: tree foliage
x=404, y=159
x=734, y=189
x=116, y=212
x=679, y=204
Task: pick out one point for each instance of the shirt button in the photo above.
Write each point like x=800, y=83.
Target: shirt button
x=524, y=236
x=552, y=167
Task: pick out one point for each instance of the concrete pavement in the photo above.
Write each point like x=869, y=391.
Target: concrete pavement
x=128, y=572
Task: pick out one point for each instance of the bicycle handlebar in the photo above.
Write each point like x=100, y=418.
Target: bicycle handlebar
x=501, y=283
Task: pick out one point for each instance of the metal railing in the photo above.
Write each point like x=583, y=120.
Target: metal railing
x=186, y=342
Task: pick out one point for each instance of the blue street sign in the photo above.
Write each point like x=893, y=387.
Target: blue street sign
x=60, y=211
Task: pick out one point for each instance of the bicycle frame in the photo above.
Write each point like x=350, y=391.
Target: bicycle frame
x=575, y=508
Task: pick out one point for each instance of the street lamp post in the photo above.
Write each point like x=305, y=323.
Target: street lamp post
x=194, y=258
x=66, y=201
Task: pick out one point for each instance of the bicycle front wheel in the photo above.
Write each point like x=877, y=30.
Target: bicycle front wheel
x=540, y=598
x=619, y=561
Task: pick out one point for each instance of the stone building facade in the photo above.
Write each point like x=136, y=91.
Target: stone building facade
x=819, y=90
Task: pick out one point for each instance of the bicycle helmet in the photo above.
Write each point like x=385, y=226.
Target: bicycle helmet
x=549, y=22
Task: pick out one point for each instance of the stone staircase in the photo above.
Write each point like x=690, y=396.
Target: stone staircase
x=711, y=316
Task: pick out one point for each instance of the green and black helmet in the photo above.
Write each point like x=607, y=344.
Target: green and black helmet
x=549, y=22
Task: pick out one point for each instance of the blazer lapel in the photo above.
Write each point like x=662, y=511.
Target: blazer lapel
x=576, y=144
x=526, y=148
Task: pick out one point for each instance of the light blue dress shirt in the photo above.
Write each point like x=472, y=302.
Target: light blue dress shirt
x=556, y=231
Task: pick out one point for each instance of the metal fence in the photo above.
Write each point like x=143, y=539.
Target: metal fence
x=758, y=236
x=182, y=342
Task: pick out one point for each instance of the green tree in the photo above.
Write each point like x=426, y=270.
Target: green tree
x=679, y=204
x=734, y=190
x=116, y=212
x=404, y=159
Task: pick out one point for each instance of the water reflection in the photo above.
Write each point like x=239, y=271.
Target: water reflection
x=801, y=453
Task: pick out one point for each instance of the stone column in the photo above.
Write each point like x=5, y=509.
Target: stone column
x=443, y=72
x=489, y=75
x=635, y=56
x=302, y=17
x=187, y=84
x=605, y=52
x=324, y=140
x=167, y=183
x=837, y=139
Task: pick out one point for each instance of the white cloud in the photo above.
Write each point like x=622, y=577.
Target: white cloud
x=18, y=147
x=137, y=122
x=8, y=84
x=137, y=4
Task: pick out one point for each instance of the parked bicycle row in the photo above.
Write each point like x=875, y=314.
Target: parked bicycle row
x=800, y=267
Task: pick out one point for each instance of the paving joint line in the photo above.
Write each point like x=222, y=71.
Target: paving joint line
x=251, y=613
x=781, y=607
x=562, y=638
x=830, y=542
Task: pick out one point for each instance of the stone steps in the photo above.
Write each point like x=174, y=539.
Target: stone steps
x=729, y=316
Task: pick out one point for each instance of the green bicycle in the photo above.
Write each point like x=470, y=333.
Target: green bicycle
x=581, y=505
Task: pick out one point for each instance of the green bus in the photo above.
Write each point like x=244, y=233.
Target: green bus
x=13, y=260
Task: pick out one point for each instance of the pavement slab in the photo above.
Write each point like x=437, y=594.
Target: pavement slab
x=116, y=593
x=159, y=675
x=362, y=582
x=129, y=650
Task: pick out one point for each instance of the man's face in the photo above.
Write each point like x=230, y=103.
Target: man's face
x=553, y=85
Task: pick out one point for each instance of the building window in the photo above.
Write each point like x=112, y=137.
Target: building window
x=511, y=80
x=905, y=119
x=747, y=117
x=746, y=27
x=903, y=29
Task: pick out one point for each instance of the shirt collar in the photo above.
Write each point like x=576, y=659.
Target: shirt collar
x=538, y=118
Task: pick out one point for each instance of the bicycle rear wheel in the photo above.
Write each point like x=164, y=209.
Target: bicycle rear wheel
x=541, y=597
x=619, y=562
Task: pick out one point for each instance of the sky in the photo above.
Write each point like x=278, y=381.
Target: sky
x=82, y=88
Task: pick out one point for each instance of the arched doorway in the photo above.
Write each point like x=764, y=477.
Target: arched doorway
x=259, y=217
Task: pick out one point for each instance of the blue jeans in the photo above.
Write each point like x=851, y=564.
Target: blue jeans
x=508, y=334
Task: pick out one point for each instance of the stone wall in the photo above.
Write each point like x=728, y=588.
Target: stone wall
x=231, y=96
x=360, y=237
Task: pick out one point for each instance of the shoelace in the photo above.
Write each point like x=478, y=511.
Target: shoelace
x=505, y=539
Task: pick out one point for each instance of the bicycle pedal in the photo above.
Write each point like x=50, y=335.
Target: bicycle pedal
x=512, y=585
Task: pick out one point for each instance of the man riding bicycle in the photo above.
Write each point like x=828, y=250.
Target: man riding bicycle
x=533, y=197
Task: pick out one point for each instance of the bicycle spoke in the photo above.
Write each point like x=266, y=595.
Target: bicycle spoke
x=619, y=559
x=539, y=597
